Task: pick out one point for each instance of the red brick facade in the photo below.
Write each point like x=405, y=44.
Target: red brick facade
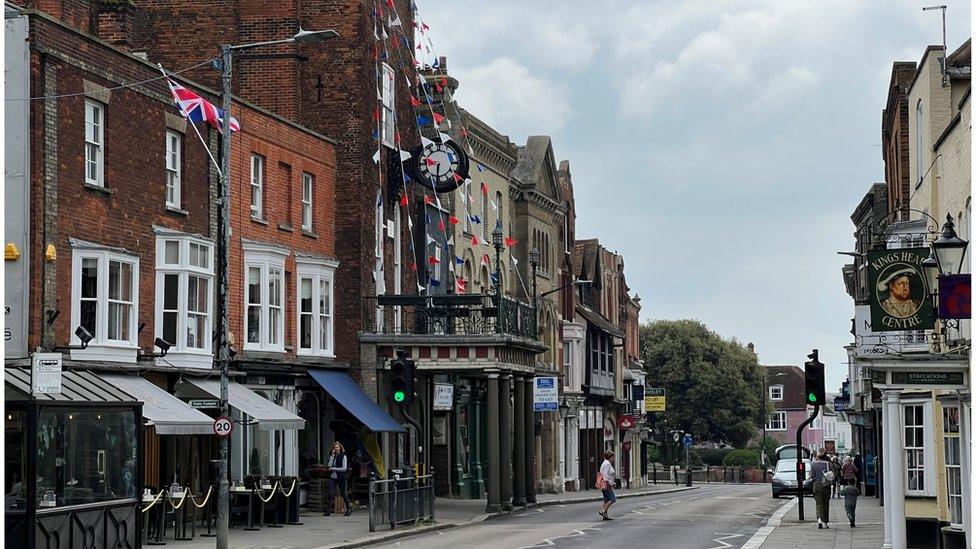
x=894, y=137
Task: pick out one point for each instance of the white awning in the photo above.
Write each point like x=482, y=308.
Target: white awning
x=170, y=415
x=269, y=415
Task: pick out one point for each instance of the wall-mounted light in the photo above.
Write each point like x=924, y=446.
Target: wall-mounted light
x=50, y=253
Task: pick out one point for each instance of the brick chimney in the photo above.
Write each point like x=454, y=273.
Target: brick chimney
x=116, y=22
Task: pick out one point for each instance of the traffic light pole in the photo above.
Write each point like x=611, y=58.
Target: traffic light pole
x=800, y=473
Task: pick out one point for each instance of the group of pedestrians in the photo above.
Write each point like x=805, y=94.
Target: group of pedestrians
x=833, y=477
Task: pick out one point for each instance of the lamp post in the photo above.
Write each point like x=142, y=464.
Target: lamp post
x=534, y=261
x=563, y=414
x=223, y=255
x=946, y=256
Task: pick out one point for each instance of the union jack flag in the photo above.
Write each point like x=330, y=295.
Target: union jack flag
x=198, y=109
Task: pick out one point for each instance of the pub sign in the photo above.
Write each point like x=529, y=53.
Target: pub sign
x=898, y=293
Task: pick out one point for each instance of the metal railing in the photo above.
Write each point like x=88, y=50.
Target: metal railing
x=465, y=314
x=400, y=500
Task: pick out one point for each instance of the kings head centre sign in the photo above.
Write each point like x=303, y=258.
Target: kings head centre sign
x=898, y=294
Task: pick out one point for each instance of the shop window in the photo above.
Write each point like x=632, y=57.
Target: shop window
x=315, y=325
x=15, y=462
x=953, y=463
x=85, y=456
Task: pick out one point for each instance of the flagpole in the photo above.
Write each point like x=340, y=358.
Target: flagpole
x=194, y=126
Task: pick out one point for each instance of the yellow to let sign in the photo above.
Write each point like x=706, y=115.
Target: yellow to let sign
x=655, y=403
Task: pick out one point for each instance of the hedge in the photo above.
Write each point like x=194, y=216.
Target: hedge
x=741, y=458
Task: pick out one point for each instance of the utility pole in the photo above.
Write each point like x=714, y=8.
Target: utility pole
x=945, y=50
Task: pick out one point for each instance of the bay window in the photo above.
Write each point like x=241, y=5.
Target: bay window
x=184, y=294
x=264, y=297
x=315, y=303
x=104, y=301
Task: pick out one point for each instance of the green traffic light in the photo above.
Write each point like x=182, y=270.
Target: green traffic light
x=399, y=396
x=812, y=397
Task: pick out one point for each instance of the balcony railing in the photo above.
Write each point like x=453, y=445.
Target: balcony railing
x=469, y=314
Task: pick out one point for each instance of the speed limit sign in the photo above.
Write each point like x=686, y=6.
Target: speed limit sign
x=223, y=426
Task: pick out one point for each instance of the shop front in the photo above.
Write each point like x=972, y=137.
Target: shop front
x=72, y=463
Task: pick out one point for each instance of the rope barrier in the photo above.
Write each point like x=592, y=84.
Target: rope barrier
x=270, y=497
x=205, y=500
x=154, y=501
x=294, y=482
x=182, y=500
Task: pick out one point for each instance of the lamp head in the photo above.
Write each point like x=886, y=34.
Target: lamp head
x=84, y=335
x=314, y=37
x=534, y=257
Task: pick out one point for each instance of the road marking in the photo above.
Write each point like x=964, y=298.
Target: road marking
x=760, y=536
x=541, y=510
x=724, y=537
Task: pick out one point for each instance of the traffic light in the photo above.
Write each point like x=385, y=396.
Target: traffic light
x=402, y=369
x=814, y=369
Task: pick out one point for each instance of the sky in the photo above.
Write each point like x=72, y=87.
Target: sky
x=719, y=145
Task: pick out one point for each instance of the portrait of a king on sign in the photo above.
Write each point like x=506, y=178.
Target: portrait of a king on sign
x=898, y=292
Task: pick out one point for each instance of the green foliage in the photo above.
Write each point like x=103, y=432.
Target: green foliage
x=742, y=458
x=694, y=459
x=714, y=456
x=654, y=454
x=713, y=384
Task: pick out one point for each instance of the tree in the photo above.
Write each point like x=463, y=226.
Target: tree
x=713, y=384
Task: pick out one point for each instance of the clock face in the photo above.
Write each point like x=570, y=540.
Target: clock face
x=436, y=165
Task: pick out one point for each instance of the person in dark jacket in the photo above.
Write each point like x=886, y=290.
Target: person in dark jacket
x=821, y=488
x=338, y=467
x=850, y=493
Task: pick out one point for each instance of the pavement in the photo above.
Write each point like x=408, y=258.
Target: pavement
x=785, y=531
x=318, y=532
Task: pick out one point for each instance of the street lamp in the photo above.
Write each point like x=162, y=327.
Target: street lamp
x=534, y=256
x=563, y=414
x=223, y=255
x=496, y=241
x=930, y=266
x=949, y=249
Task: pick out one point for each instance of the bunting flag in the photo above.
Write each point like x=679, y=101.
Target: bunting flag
x=458, y=260
x=475, y=218
x=433, y=260
x=420, y=288
x=509, y=242
x=434, y=282
x=494, y=205
x=461, y=285
x=438, y=118
x=480, y=167
x=514, y=261
x=485, y=260
x=440, y=225
x=423, y=120
x=453, y=220
x=413, y=267
x=458, y=179
x=494, y=279
x=474, y=240
x=427, y=199
x=414, y=101
x=484, y=188
x=430, y=240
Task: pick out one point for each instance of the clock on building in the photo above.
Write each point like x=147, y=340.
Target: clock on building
x=435, y=166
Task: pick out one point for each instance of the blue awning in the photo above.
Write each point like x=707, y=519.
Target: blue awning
x=355, y=401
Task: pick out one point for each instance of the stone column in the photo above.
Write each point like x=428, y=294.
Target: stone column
x=518, y=498
x=505, y=443
x=885, y=473
x=494, y=453
x=895, y=498
x=529, y=442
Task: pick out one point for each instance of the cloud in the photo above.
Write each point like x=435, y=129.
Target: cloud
x=513, y=99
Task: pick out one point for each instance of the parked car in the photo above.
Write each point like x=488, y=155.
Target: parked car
x=784, y=477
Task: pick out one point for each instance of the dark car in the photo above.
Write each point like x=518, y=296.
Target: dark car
x=784, y=477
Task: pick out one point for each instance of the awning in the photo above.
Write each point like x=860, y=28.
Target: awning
x=81, y=386
x=170, y=415
x=269, y=415
x=355, y=401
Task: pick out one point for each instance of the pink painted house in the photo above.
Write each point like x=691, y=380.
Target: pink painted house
x=785, y=387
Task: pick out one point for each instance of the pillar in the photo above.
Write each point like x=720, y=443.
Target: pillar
x=505, y=440
x=965, y=432
x=885, y=472
x=529, y=442
x=895, y=499
x=518, y=497
x=494, y=453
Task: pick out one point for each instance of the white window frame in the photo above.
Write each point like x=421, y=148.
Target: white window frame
x=926, y=445
x=95, y=142
x=953, y=438
x=919, y=141
x=318, y=271
x=257, y=185
x=777, y=421
x=773, y=389
x=180, y=353
x=388, y=105
x=174, y=169
x=101, y=347
x=308, y=193
x=266, y=258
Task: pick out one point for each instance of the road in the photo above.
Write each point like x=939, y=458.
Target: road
x=715, y=516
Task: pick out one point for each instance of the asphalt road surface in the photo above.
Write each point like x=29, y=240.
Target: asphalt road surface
x=715, y=516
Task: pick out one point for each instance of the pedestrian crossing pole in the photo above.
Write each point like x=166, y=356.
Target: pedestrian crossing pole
x=800, y=473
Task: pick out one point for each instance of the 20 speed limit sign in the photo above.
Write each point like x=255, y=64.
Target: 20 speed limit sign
x=223, y=426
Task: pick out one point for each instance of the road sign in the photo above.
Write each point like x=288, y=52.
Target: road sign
x=223, y=426
x=655, y=399
x=203, y=403
x=545, y=394
x=46, y=374
x=687, y=440
x=443, y=397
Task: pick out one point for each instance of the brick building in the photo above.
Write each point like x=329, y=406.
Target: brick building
x=785, y=389
x=894, y=137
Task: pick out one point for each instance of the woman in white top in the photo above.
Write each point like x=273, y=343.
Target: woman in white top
x=608, y=473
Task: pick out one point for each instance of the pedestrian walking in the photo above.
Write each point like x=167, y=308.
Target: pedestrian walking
x=835, y=468
x=338, y=468
x=822, y=478
x=851, y=492
x=604, y=482
x=848, y=471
